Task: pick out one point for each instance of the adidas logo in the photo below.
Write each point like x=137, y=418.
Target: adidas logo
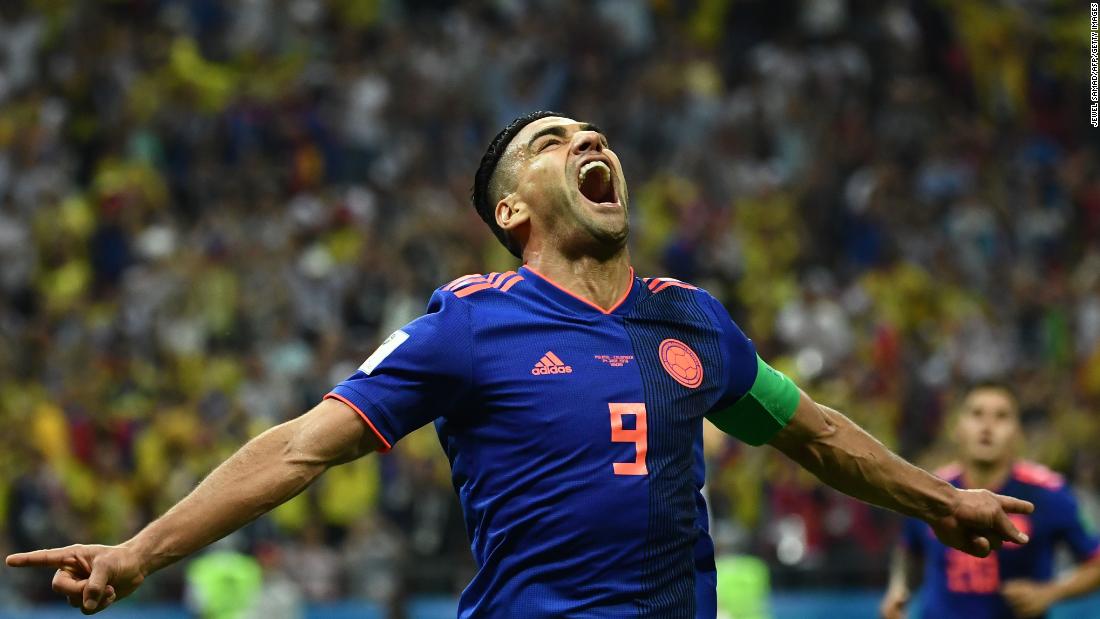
x=551, y=364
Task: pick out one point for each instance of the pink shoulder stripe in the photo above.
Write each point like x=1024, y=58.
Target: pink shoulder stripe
x=462, y=280
x=471, y=284
x=677, y=284
x=657, y=284
x=949, y=471
x=500, y=281
x=512, y=282
x=469, y=290
x=1037, y=475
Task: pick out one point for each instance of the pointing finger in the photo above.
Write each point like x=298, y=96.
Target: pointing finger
x=1013, y=505
x=51, y=557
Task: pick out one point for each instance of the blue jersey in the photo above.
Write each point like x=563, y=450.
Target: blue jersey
x=959, y=585
x=574, y=436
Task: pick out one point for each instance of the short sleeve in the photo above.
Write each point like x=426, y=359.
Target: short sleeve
x=1073, y=527
x=912, y=536
x=418, y=374
x=757, y=400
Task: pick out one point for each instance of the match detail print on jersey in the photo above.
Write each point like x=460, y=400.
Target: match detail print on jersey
x=681, y=363
x=391, y=343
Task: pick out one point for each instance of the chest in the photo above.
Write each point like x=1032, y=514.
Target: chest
x=627, y=383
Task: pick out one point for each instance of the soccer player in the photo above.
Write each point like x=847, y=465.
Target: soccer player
x=1015, y=581
x=569, y=396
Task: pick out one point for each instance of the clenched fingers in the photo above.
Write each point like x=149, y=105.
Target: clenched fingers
x=96, y=587
x=980, y=546
x=65, y=583
x=108, y=599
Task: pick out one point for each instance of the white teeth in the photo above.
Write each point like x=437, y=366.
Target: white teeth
x=592, y=165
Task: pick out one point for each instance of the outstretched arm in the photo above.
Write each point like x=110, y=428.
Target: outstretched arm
x=844, y=456
x=267, y=471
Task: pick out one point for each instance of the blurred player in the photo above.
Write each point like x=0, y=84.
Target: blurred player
x=569, y=396
x=1014, y=581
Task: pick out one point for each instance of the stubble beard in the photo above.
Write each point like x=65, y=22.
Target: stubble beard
x=596, y=238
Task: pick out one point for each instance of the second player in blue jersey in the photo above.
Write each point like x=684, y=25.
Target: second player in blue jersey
x=1015, y=582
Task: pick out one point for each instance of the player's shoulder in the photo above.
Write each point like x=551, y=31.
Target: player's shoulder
x=950, y=472
x=478, y=286
x=672, y=290
x=1035, y=474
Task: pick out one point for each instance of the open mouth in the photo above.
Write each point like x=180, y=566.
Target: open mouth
x=594, y=182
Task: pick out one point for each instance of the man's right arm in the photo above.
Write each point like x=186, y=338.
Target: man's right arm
x=267, y=471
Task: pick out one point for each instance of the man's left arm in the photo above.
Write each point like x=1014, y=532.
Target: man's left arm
x=762, y=405
x=844, y=456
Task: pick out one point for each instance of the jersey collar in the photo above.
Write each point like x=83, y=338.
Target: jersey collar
x=579, y=304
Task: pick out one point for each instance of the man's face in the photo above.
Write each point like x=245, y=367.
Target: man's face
x=989, y=427
x=570, y=183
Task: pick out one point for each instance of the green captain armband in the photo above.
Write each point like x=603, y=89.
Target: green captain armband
x=763, y=411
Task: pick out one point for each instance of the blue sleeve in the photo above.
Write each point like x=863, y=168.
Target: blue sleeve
x=738, y=350
x=757, y=401
x=912, y=536
x=417, y=375
x=1072, y=526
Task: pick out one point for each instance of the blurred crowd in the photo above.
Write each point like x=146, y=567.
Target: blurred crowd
x=211, y=212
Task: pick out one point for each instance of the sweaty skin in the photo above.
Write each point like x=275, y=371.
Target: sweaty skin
x=581, y=245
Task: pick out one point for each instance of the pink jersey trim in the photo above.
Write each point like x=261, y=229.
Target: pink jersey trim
x=949, y=471
x=469, y=290
x=465, y=279
x=1037, y=475
x=626, y=293
x=511, y=282
x=336, y=396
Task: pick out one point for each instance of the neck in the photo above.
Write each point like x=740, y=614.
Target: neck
x=602, y=281
x=987, y=475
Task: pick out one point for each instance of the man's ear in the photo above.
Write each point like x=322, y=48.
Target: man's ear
x=511, y=212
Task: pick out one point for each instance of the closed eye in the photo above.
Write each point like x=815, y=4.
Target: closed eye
x=548, y=143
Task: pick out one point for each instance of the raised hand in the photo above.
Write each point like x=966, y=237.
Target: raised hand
x=979, y=522
x=90, y=577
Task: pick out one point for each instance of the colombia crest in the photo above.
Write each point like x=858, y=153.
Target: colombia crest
x=681, y=363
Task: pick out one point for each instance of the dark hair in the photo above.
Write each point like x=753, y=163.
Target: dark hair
x=483, y=202
x=994, y=385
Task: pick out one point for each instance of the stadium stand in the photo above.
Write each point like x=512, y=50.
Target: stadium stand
x=210, y=215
